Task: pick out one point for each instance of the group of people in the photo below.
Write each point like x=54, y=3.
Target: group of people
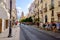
x=51, y=26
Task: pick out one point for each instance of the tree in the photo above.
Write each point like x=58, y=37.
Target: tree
x=27, y=20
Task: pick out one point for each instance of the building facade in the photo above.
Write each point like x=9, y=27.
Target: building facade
x=49, y=11
x=4, y=14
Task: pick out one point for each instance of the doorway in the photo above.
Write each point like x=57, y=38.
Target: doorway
x=6, y=24
x=0, y=25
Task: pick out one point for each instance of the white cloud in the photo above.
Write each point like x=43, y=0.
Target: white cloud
x=19, y=10
x=18, y=7
x=28, y=5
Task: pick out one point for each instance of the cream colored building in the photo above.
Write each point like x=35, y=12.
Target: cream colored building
x=49, y=10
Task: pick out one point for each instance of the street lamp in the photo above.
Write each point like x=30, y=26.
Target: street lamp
x=10, y=26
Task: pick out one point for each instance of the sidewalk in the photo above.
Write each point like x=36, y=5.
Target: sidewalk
x=56, y=35
x=15, y=34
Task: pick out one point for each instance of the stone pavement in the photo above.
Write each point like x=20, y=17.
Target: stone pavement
x=54, y=34
x=15, y=34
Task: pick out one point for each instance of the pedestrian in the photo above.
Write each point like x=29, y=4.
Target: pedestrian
x=20, y=24
x=54, y=27
x=50, y=26
x=46, y=26
x=57, y=25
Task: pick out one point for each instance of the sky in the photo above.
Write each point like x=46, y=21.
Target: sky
x=23, y=5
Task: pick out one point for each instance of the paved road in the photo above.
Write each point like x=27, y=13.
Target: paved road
x=30, y=33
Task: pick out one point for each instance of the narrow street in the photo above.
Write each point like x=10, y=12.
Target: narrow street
x=31, y=33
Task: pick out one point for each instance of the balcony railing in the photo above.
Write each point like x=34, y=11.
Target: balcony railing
x=52, y=7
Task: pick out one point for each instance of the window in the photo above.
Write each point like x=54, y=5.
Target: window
x=59, y=3
x=52, y=12
x=45, y=7
x=52, y=3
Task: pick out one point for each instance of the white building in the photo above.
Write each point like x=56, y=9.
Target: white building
x=4, y=16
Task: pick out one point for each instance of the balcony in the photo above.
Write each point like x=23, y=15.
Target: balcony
x=41, y=11
x=45, y=9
